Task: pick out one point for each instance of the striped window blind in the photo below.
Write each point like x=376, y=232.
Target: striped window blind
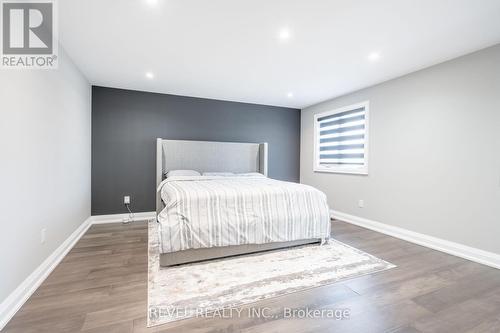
x=341, y=139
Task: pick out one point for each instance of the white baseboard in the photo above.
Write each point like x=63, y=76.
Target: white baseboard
x=456, y=249
x=20, y=295
x=116, y=218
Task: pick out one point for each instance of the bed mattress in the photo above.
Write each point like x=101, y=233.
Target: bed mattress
x=205, y=212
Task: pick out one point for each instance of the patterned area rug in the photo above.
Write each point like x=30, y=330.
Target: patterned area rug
x=190, y=290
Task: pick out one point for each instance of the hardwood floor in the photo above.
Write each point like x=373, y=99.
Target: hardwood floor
x=101, y=286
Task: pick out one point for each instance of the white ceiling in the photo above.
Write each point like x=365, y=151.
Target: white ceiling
x=231, y=50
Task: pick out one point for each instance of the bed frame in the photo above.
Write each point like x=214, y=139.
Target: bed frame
x=210, y=156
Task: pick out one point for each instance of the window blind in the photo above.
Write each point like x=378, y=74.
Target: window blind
x=341, y=138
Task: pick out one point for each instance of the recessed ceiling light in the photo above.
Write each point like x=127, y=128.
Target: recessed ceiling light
x=289, y=95
x=284, y=34
x=152, y=2
x=374, y=56
x=150, y=75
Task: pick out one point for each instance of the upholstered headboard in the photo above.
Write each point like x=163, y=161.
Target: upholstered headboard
x=208, y=156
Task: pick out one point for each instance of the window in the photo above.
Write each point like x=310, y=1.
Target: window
x=341, y=140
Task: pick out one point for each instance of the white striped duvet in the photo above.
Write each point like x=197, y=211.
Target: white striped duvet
x=202, y=212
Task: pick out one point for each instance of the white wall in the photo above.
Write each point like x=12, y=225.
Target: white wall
x=434, y=163
x=45, y=164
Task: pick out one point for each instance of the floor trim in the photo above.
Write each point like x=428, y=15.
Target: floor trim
x=16, y=299
x=20, y=295
x=456, y=249
x=118, y=218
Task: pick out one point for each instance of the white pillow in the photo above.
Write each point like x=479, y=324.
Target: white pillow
x=173, y=173
x=249, y=174
x=221, y=174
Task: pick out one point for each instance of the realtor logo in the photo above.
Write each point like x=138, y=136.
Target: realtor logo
x=29, y=34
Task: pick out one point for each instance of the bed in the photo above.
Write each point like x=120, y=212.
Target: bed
x=210, y=217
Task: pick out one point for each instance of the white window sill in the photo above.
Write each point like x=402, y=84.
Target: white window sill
x=345, y=171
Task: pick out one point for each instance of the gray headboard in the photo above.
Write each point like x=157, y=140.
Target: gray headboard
x=208, y=156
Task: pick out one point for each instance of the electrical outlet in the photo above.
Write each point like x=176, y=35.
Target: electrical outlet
x=43, y=235
x=361, y=203
x=126, y=200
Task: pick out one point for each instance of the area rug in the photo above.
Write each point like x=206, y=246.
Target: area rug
x=198, y=289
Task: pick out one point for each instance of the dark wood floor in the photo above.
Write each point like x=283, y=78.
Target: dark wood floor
x=101, y=286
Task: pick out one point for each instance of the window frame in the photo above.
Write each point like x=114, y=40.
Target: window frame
x=348, y=169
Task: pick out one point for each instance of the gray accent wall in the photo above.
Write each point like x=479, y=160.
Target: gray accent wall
x=434, y=159
x=125, y=125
